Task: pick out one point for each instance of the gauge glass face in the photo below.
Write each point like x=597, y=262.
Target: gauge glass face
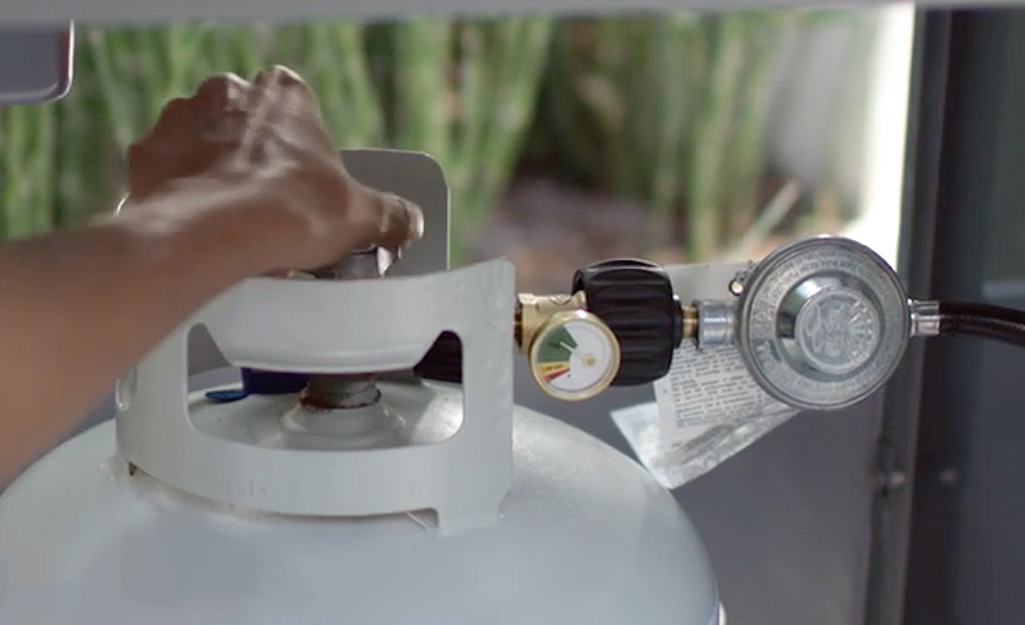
x=576, y=357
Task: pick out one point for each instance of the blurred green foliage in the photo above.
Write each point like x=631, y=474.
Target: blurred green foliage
x=669, y=109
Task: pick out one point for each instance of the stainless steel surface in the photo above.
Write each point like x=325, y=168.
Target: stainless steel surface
x=36, y=63
x=717, y=323
x=822, y=323
x=925, y=318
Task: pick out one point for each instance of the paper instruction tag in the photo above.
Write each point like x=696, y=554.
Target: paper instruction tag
x=708, y=408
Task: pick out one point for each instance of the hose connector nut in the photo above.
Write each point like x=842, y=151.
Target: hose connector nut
x=925, y=318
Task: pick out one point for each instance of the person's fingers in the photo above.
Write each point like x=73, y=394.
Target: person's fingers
x=220, y=103
x=293, y=94
x=281, y=97
x=414, y=220
x=176, y=118
x=394, y=221
x=279, y=86
x=184, y=123
x=279, y=76
x=264, y=109
x=222, y=91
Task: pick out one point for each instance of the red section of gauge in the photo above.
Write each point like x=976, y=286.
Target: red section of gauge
x=552, y=371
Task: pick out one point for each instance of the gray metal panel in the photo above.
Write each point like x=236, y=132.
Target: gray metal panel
x=987, y=431
x=967, y=551
x=35, y=64
x=898, y=439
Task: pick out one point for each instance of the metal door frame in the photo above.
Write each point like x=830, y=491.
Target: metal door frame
x=961, y=66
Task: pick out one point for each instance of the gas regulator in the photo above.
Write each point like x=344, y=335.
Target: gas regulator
x=821, y=324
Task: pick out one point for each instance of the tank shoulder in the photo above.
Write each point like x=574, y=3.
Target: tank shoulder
x=584, y=536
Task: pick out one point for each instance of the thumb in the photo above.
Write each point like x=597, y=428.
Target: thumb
x=394, y=222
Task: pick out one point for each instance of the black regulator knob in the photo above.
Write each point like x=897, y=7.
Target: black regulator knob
x=636, y=301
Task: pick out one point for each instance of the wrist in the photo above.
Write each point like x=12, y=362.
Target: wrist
x=221, y=231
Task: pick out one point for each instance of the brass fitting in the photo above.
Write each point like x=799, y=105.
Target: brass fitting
x=690, y=322
x=532, y=311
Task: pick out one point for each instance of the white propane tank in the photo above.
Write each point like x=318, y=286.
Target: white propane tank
x=431, y=504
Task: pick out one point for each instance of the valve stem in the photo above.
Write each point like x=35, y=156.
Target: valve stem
x=343, y=391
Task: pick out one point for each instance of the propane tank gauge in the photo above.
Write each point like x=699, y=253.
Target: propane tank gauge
x=574, y=356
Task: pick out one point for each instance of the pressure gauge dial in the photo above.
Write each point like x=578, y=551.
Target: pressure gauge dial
x=574, y=356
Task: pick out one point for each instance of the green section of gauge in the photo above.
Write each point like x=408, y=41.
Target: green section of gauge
x=557, y=347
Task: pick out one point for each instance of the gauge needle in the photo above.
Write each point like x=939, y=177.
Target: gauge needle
x=588, y=360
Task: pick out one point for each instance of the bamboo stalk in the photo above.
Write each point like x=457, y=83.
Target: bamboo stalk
x=330, y=90
x=363, y=100
x=519, y=50
x=15, y=150
x=43, y=178
x=575, y=137
x=184, y=47
x=471, y=68
x=768, y=220
x=423, y=57
x=145, y=47
x=249, y=57
x=85, y=140
x=746, y=159
x=118, y=111
x=665, y=181
x=712, y=134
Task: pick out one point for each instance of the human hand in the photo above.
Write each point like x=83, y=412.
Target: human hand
x=262, y=147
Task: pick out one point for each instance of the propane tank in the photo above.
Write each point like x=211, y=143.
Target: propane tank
x=338, y=484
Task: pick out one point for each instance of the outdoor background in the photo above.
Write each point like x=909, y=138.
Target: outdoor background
x=679, y=137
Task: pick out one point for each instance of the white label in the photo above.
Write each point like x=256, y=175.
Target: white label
x=698, y=450
x=706, y=387
x=708, y=408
